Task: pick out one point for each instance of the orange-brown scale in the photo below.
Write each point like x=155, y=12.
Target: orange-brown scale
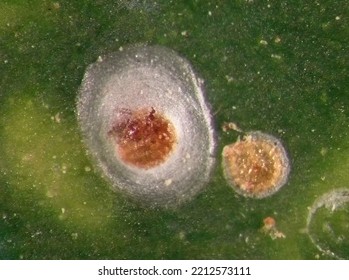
x=256, y=166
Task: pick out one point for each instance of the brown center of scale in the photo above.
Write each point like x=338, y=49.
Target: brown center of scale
x=144, y=137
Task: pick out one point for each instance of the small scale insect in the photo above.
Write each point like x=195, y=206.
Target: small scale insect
x=256, y=166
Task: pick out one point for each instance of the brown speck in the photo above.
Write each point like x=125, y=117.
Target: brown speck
x=269, y=227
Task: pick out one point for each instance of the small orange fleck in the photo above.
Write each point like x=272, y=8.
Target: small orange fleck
x=269, y=227
x=269, y=222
